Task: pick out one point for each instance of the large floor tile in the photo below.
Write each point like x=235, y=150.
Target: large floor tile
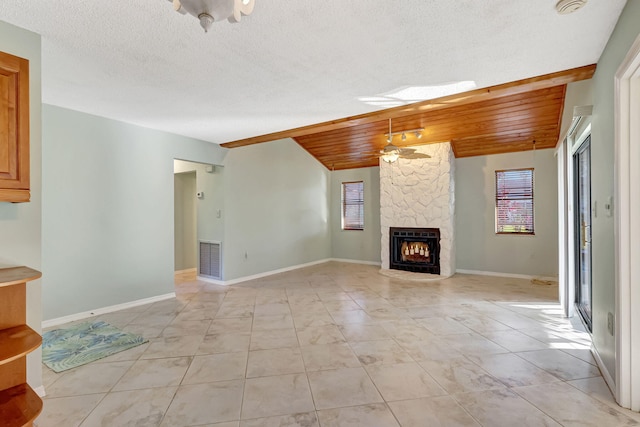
x=67, y=411
x=512, y=370
x=305, y=419
x=154, y=373
x=404, y=381
x=278, y=395
x=459, y=374
x=503, y=407
x=132, y=408
x=273, y=338
x=342, y=387
x=89, y=379
x=224, y=343
x=571, y=407
x=432, y=411
x=162, y=347
x=561, y=364
x=205, y=404
x=373, y=415
x=326, y=334
x=279, y=361
x=329, y=356
x=386, y=352
x=216, y=367
x=354, y=332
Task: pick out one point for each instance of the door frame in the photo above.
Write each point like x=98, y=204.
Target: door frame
x=627, y=229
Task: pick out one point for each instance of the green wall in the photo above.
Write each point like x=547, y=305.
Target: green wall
x=602, y=164
x=277, y=209
x=354, y=244
x=108, y=208
x=478, y=247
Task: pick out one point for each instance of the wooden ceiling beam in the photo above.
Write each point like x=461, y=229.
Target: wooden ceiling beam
x=513, y=88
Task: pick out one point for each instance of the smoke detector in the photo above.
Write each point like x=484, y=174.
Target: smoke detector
x=565, y=7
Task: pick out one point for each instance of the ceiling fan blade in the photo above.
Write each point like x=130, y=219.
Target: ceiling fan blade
x=415, y=156
x=406, y=151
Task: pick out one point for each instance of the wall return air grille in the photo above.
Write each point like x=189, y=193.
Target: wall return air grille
x=210, y=259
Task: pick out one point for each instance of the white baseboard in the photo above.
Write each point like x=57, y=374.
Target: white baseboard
x=603, y=369
x=498, y=274
x=282, y=270
x=187, y=270
x=261, y=275
x=356, y=261
x=40, y=391
x=86, y=314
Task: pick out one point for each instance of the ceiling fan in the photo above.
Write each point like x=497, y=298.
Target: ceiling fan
x=390, y=152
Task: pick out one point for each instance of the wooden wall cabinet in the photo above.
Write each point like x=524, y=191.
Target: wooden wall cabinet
x=19, y=404
x=14, y=129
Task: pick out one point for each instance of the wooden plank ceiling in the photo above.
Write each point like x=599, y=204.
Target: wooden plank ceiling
x=500, y=119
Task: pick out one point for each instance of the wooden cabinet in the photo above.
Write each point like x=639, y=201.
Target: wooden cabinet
x=14, y=129
x=19, y=404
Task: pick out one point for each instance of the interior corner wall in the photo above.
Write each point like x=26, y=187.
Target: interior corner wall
x=478, y=247
x=20, y=223
x=107, y=210
x=356, y=245
x=277, y=209
x=602, y=179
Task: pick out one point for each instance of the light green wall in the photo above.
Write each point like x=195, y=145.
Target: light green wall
x=350, y=244
x=602, y=160
x=185, y=220
x=108, y=230
x=478, y=247
x=277, y=209
x=20, y=223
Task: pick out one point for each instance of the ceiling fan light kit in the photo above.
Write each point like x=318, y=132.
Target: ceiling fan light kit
x=390, y=153
x=210, y=11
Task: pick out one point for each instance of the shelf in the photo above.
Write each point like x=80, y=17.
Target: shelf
x=19, y=405
x=17, y=341
x=16, y=275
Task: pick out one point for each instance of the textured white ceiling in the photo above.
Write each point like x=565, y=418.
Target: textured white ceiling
x=292, y=62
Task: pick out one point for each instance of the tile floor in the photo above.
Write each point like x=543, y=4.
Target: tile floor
x=340, y=345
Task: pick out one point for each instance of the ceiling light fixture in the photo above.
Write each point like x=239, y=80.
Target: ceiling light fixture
x=391, y=153
x=210, y=11
x=564, y=7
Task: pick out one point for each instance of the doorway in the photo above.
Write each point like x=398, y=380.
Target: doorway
x=582, y=224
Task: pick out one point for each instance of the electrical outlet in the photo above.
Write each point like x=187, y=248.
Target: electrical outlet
x=610, y=323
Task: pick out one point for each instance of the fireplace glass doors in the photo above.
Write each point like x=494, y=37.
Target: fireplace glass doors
x=415, y=249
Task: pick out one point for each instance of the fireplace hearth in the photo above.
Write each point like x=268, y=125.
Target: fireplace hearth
x=414, y=249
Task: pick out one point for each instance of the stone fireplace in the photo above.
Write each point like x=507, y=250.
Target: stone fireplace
x=420, y=194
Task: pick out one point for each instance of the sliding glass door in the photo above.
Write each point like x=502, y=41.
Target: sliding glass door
x=582, y=174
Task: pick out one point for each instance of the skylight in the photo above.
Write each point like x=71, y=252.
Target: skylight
x=410, y=94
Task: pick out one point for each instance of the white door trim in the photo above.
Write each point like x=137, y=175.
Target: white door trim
x=627, y=228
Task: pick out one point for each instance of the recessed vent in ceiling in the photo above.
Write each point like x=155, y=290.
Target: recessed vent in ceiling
x=210, y=259
x=565, y=7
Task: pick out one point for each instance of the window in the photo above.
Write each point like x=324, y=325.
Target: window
x=353, y=205
x=514, y=201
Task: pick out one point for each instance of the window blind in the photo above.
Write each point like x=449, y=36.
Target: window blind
x=353, y=205
x=514, y=201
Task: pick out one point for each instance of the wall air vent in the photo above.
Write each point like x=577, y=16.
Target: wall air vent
x=565, y=7
x=210, y=259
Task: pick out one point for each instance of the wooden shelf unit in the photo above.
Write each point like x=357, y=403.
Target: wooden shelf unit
x=19, y=404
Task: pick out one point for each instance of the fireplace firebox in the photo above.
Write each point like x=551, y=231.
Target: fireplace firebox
x=415, y=249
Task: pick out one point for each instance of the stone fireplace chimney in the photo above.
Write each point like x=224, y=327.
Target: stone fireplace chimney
x=421, y=193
